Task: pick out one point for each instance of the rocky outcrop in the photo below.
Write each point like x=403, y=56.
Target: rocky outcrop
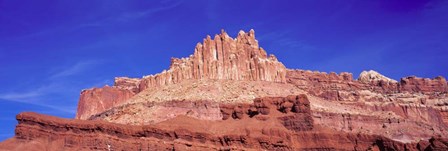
x=241, y=59
x=144, y=113
x=373, y=76
x=231, y=95
x=97, y=100
x=127, y=83
x=264, y=131
x=409, y=110
x=222, y=58
x=424, y=85
x=296, y=112
x=342, y=87
x=327, y=86
x=399, y=128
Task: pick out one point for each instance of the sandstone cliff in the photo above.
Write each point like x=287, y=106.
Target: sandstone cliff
x=230, y=95
x=241, y=59
x=272, y=123
x=223, y=57
x=95, y=100
x=409, y=110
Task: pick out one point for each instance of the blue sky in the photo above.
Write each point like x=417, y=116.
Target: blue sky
x=51, y=50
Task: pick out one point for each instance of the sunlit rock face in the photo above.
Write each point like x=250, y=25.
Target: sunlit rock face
x=221, y=58
x=373, y=76
x=231, y=94
x=269, y=123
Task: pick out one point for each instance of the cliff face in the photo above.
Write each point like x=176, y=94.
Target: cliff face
x=231, y=95
x=408, y=110
x=127, y=84
x=271, y=123
x=97, y=100
x=241, y=59
x=342, y=87
x=223, y=57
x=416, y=84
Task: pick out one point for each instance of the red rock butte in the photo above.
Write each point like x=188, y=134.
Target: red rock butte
x=222, y=58
x=231, y=95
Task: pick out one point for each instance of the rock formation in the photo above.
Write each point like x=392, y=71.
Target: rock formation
x=272, y=123
x=373, y=76
x=223, y=57
x=230, y=95
x=425, y=85
x=95, y=100
x=409, y=110
x=127, y=84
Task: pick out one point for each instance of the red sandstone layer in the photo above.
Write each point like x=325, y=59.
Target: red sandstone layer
x=408, y=110
x=271, y=123
x=371, y=113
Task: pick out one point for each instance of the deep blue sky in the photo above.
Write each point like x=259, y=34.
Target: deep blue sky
x=51, y=50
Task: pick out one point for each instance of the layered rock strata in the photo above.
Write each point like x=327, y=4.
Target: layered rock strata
x=242, y=59
x=306, y=79
x=206, y=102
x=96, y=100
x=271, y=123
x=222, y=58
x=425, y=85
x=404, y=111
x=145, y=113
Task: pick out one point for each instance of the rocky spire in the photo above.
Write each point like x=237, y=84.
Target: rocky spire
x=222, y=58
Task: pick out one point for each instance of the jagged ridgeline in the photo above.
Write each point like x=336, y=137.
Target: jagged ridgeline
x=221, y=58
x=231, y=95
